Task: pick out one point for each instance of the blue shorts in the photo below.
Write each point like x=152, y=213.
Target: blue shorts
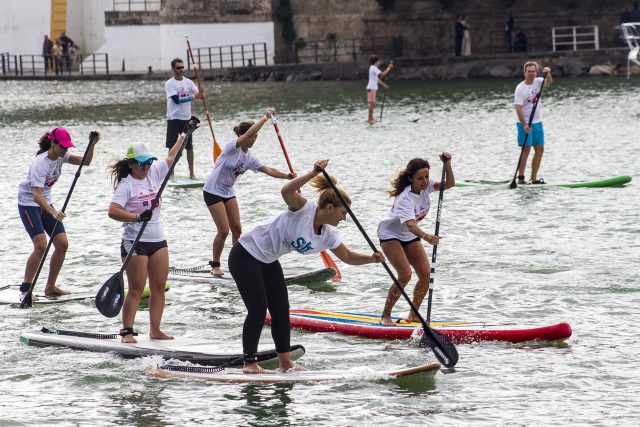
x=536, y=134
x=36, y=221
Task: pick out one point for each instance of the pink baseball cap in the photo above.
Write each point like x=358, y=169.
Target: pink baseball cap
x=62, y=137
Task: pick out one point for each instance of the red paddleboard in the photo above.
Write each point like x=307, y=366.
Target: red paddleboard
x=368, y=326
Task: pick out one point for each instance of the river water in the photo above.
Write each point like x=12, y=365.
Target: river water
x=512, y=257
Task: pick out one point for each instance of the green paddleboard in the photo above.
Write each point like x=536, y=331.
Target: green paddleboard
x=617, y=181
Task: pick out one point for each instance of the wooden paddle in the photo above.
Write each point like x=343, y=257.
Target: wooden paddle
x=435, y=247
x=526, y=135
x=27, y=301
x=216, y=148
x=326, y=258
x=444, y=349
x=110, y=297
x=384, y=97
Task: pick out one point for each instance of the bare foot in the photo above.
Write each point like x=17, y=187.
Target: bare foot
x=217, y=271
x=371, y=122
x=128, y=339
x=253, y=368
x=160, y=336
x=292, y=367
x=386, y=321
x=34, y=297
x=55, y=291
x=412, y=318
x=193, y=177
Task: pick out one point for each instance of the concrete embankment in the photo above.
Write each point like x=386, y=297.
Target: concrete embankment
x=568, y=64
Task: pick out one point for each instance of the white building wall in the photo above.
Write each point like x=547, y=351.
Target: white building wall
x=23, y=25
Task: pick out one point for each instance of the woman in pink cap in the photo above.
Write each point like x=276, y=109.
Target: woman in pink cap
x=36, y=208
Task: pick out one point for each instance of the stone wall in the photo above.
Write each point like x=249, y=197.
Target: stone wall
x=419, y=28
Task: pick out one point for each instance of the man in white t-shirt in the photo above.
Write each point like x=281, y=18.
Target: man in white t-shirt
x=525, y=98
x=180, y=93
x=375, y=79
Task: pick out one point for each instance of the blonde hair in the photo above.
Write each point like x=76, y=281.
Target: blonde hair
x=530, y=64
x=327, y=195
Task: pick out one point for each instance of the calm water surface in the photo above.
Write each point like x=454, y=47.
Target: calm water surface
x=523, y=257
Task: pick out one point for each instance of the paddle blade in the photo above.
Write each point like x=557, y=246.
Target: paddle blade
x=513, y=184
x=328, y=262
x=444, y=349
x=27, y=301
x=110, y=297
x=216, y=150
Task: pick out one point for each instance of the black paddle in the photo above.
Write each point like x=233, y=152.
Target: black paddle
x=384, y=96
x=526, y=135
x=110, y=297
x=444, y=349
x=435, y=247
x=27, y=301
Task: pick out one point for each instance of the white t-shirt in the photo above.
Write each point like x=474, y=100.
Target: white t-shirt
x=374, y=72
x=231, y=163
x=526, y=95
x=182, y=88
x=43, y=173
x=288, y=232
x=136, y=196
x=407, y=205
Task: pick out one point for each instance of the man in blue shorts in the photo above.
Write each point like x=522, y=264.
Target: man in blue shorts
x=525, y=97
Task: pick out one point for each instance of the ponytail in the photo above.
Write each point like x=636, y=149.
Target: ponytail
x=327, y=195
x=44, y=143
x=119, y=170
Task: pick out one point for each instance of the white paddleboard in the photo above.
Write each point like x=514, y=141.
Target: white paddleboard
x=318, y=276
x=12, y=296
x=195, y=350
x=236, y=375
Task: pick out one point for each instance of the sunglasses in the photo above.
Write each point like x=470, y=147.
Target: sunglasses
x=179, y=68
x=145, y=163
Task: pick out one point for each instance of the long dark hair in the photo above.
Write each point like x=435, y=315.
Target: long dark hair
x=44, y=142
x=119, y=170
x=327, y=195
x=400, y=182
x=242, y=127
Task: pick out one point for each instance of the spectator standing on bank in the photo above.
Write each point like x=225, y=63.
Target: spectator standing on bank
x=47, y=49
x=458, y=29
x=466, y=37
x=56, y=52
x=65, y=44
x=508, y=32
x=635, y=12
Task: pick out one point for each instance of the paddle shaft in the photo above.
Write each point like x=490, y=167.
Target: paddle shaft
x=216, y=149
x=384, y=97
x=526, y=135
x=435, y=247
x=156, y=200
x=326, y=258
x=437, y=348
x=27, y=300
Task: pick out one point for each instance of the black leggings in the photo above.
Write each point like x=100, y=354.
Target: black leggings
x=261, y=287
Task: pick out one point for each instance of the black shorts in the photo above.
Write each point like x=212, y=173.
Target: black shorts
x=142, y=248
x=212, y=199
x=174, y=127
x=403, y=243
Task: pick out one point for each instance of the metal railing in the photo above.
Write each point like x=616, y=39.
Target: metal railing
x=241, y=55
x=575, y=37
x=95, y=64
x=346, y=50
x=136, y=5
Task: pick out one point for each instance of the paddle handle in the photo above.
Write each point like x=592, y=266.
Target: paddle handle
x=27, y=300
x=435, y=247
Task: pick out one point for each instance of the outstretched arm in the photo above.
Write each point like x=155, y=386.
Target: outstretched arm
x=449, y=179
x=247, y=138
x=291, y=190
x=275, y=173
x=348, y=256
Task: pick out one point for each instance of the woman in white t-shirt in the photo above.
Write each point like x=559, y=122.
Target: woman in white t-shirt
x=218, y=191
x=399, y=233
x=36, y=207
x=136, y=180
x=305, y=227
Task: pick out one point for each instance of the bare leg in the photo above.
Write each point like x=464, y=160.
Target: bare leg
x=418, y=259
x=39, y=246
x=395, y=254
x=233, y=215
x=60, y=244
x=523, y=161
x=538, y=150
x=371, y=120
x=190, y=159
x=136, y=278
x=219, y=215
x=158, y=271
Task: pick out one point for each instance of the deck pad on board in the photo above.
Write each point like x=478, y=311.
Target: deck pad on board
x=184, y=182
x=309, y=278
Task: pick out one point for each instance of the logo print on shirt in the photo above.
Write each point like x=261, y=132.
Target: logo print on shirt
x=239, y=169
x=301, y=245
